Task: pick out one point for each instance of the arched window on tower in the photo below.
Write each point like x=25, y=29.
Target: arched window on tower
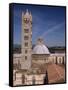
x=26, y=51
x=25, y=57
x=26, y=30
x=26, y=37
x=26, y=44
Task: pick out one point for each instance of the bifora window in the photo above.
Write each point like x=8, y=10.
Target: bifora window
x=25, y=57
x=26, y=30
x=26, y=37
x=26, y=44
x=26, y=51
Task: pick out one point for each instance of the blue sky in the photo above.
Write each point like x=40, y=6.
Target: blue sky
x=48, y=23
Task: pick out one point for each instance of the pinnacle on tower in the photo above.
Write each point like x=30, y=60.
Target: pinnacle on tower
x=27, y=15
x=26, y=10
x=30, y=16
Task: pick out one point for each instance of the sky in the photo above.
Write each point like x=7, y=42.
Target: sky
x=47, y=22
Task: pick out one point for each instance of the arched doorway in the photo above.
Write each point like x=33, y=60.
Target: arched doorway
x=33, y=80
x=23, y=79
x=45, y=78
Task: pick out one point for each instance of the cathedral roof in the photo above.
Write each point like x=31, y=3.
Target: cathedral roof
x=40, y=48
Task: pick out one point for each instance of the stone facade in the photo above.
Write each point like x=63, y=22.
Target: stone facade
x=28, y=79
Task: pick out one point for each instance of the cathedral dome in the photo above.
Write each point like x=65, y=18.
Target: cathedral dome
x=40, y=48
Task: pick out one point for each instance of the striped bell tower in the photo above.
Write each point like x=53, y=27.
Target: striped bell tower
x=26, y=39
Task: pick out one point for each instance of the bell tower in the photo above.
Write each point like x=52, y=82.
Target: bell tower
x=26, y=39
